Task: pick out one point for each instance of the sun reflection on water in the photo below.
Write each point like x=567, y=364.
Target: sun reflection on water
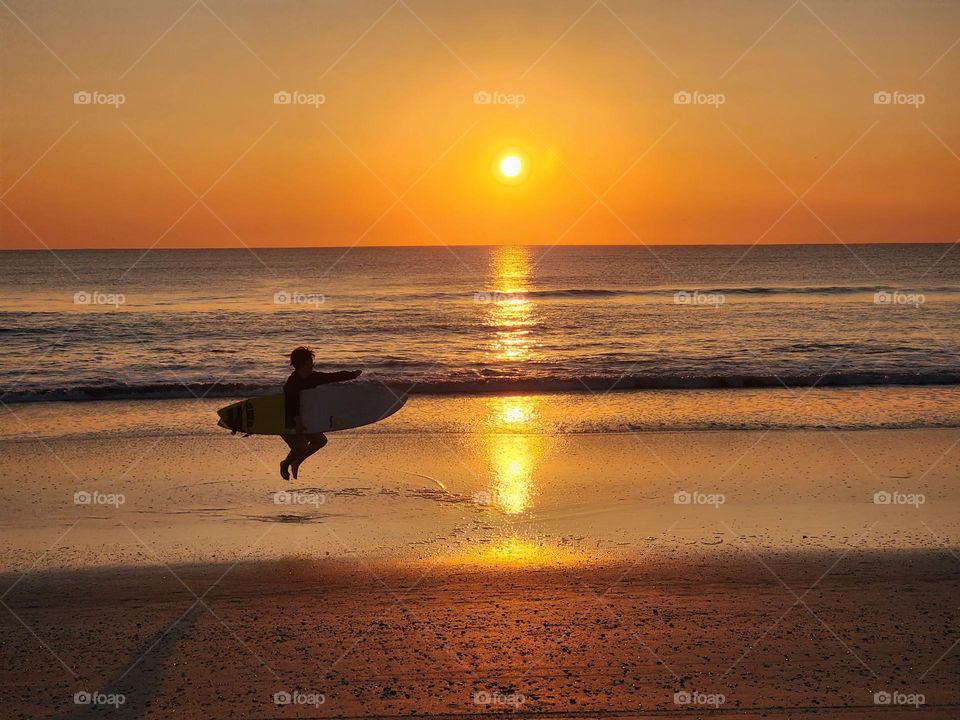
x=510, y=312
x=511, y=453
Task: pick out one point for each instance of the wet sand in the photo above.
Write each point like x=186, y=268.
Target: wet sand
x=172, y=494
x=488, y=570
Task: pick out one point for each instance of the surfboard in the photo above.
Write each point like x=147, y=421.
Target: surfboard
x=327, y=408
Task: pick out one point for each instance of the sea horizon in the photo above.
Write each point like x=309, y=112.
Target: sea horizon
x=245, y=248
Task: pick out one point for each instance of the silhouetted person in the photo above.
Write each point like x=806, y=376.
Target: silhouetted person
x=303, y=444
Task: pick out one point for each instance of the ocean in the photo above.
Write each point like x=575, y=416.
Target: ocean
x=130, y=324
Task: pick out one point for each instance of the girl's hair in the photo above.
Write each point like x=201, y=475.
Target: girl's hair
x=300, y=354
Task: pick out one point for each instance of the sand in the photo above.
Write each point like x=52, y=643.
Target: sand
x=812, y=634
x=528, y=573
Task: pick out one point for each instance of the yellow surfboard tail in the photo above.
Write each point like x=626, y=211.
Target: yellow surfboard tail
x=257, y=416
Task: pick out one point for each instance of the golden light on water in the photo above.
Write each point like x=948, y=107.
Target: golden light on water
x=510, y=313
x=510, y=453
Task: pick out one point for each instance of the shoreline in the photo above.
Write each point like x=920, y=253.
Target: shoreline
x=491, y=493
x=509, y=387
x=632, y=411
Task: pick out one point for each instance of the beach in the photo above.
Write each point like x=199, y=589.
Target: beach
x=613, y=348
x=499, y=566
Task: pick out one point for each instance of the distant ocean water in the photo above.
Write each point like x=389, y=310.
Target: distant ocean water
x=124, y=324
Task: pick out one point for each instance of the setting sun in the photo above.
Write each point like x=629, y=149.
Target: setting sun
x=511, y=166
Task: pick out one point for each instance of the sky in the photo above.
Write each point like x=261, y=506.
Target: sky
x=667, y=122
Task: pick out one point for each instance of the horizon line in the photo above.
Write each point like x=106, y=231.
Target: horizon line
x=250, y=248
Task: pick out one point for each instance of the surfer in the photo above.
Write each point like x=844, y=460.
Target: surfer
x=303, y=444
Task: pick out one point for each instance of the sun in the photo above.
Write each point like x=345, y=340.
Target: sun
x=511, y=166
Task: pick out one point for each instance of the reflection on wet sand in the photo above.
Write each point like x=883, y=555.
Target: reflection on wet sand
x=512, y=464
x=512, y=450
x=515, y=550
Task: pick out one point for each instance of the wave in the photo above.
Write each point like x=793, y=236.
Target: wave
x=473, y=386
x=599, y=293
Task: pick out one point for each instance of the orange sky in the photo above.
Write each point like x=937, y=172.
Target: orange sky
x=399, y=152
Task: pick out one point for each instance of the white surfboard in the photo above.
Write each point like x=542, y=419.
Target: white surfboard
x=327, y=408
x=340, y=407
